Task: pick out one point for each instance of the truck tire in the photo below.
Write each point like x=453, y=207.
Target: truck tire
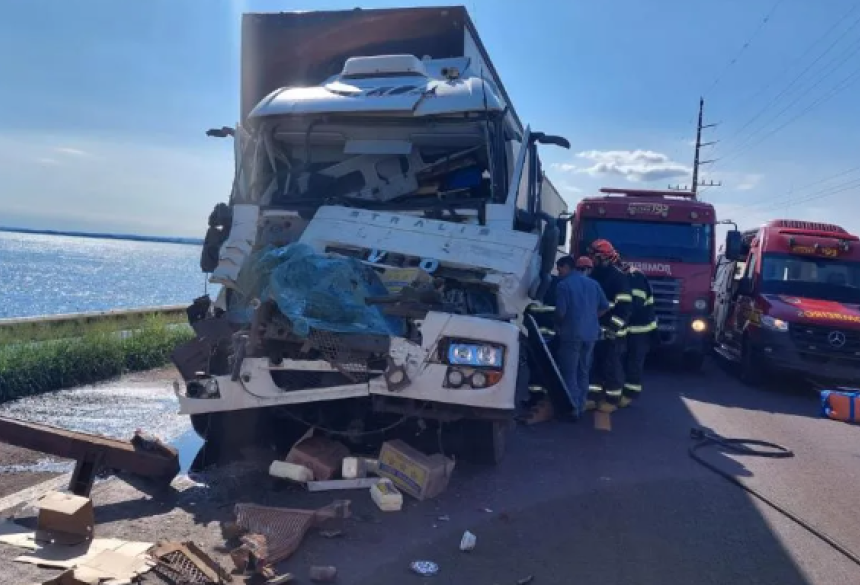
x=485, y=441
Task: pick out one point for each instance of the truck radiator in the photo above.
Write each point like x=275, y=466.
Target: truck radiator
x=819, y=343
x=667, y=305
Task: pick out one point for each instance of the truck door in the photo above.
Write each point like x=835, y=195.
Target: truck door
x=743, y=298
x=722, y=289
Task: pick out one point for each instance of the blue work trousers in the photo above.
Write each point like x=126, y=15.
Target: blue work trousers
x=574, y=359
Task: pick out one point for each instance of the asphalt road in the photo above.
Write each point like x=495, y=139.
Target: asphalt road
x=571, y=504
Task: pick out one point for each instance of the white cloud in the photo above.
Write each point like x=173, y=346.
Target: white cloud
x=71, y=151
x=634, y=165
x=47, y=161
x=564, y=167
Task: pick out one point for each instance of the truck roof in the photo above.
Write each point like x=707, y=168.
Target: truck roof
x=303, y=49
x=653, y=205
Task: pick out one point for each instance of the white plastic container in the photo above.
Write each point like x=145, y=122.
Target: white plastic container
x=291, y=471
x=386, y=496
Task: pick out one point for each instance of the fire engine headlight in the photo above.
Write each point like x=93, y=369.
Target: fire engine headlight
x=479, y=355
x=699, y=325
x=700, y=304
x=773, y=323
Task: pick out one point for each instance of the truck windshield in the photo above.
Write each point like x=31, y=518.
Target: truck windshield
x=815, y=278
x=674, y=242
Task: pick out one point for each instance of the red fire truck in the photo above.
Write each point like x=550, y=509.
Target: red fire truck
x=669, y=235
x=788, y=301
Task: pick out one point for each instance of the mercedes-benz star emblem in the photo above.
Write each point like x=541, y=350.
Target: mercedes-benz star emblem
x=836, y=338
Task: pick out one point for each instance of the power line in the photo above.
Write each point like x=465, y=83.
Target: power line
x=741, y=51
x=795, y=192
x=800, y=75
x=825, y=73
x=835, y=190
x=838, y=88
x=800, y=59
x=744, y=47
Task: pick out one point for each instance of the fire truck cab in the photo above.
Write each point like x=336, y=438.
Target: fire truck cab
x=669, y=235
x=787, y=300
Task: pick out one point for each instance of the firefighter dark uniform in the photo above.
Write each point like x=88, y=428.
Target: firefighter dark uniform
x=639, y=332
x=607, y=380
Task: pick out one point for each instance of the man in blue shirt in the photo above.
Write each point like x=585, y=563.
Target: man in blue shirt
x=579, y=304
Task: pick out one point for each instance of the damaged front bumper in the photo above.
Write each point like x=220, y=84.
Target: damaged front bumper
x=418, y=372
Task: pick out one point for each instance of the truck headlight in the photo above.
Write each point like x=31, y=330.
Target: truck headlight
x=700, y=304
x=698, y=325
x=476, y=355
x=774, y=324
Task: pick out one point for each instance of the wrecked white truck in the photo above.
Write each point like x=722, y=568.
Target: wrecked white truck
x=388, y=227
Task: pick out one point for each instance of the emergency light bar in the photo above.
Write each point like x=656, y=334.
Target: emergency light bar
x=829, y=235
x=647, y=193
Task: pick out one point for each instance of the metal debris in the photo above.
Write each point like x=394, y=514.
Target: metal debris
x=185, y=564
x=331, y=533
x=284, y=528
x=424, y=568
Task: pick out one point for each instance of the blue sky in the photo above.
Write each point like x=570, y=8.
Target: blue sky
x=104, y=104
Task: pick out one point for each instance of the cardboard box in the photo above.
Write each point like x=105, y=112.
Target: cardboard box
x=319, y=454
x=419, y=475
x=65, y=518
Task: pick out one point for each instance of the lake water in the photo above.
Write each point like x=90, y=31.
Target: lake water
x=43, y=275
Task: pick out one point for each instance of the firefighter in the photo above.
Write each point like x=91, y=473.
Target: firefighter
x=643, y=323
x=606, y=386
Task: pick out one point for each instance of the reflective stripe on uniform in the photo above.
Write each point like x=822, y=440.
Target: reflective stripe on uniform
x=617, y=320
x=649, y=301
x=633, y=387
x=545, y=331
x=621, y=333
x=595, y=388
x=623, y=298
x=638, y=292
x=542, y=309
x=643, y=328
x=613, y=393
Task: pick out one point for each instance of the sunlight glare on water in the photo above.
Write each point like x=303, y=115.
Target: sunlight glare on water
x=50, y=275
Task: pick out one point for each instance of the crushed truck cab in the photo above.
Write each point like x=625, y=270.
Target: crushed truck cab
x=388, y=227
x=788, y=302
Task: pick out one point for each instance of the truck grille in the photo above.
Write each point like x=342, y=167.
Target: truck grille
x=667, y=304
x=832, y=341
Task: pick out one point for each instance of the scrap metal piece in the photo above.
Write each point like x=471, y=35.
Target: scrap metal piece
x=284, y=528
x=184, y=563
x=92, y=452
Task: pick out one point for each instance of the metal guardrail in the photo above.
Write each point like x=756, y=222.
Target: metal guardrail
x=46, y=327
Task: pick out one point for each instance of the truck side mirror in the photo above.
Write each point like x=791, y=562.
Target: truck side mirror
x=562, y=223
x=542, y=138
x=733, y=246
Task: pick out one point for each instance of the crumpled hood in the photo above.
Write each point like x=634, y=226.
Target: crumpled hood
x=804, y=310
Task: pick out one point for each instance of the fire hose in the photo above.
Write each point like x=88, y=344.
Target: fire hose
x=707, y=438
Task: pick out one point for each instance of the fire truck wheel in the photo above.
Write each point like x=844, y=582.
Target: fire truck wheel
x=751, y=373
x=485, y=441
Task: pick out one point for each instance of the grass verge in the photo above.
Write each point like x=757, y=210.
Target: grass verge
x=28, y=368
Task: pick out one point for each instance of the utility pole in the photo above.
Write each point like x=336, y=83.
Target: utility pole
x=697, y=162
